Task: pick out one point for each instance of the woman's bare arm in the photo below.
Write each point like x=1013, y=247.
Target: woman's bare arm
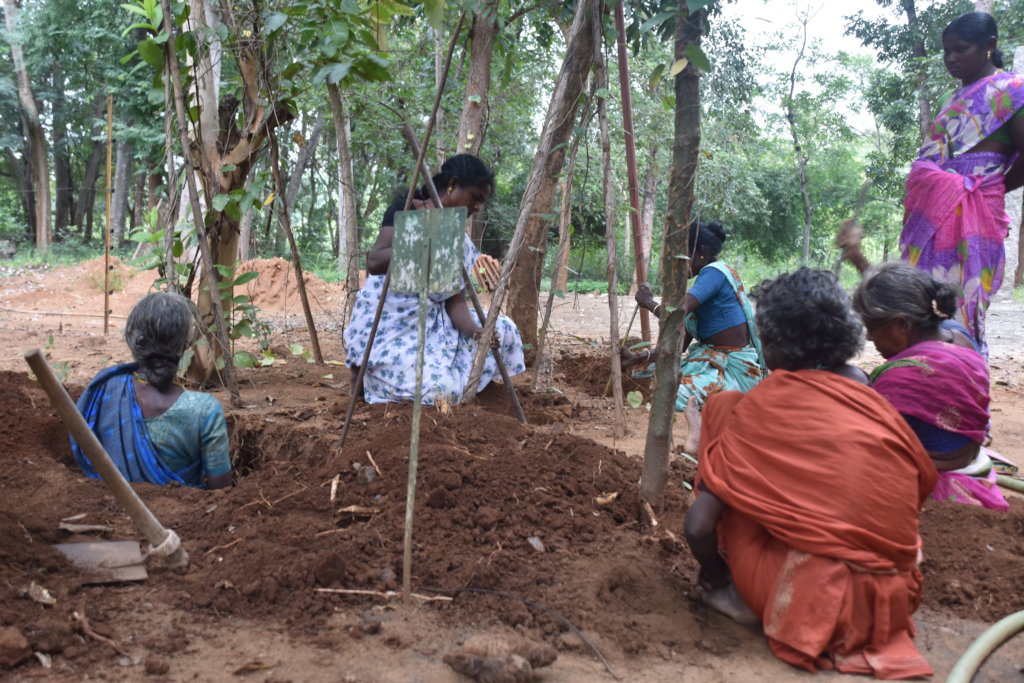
x=458, y=310
x=379, y=258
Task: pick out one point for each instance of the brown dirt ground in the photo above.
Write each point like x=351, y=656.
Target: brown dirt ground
x=248, y=604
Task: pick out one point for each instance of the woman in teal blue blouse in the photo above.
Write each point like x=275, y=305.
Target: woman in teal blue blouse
x=152, y=428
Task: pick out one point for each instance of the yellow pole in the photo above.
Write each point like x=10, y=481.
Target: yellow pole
x=106, y=230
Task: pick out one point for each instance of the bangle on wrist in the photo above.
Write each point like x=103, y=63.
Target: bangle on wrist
x=657, y=311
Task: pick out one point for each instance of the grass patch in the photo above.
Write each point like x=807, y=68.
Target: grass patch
x=60, y=254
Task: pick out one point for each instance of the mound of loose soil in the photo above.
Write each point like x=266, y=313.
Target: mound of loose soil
x=276, y=291
x=79, y=288
x=491, y=492
x=500, y=506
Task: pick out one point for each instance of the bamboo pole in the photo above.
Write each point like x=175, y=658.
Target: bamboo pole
x=106, y=229
x=275, y=160
x=609, y=221
x=634, y=183
x=414, y=446
x=150, y=526
x=357, y=386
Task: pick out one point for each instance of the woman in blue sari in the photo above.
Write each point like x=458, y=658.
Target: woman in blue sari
x=152, y=428
x=726, y=352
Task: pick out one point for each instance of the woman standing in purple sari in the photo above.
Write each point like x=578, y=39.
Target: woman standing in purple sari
x=955, y=219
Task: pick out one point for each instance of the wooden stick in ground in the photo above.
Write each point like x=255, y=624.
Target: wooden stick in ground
x=357, y=384
x=286, y=225
x=150, y=526
x=563, y=246
x=106, y=230
x=634, y=183
x=414, y=441
x=509, y=387
x=563, y=235
x=410, y=136
x=206, y=257
x=609, y=221
x=625, y=336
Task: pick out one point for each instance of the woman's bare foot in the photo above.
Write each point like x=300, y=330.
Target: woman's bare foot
x=692, y=443
x=727, y=600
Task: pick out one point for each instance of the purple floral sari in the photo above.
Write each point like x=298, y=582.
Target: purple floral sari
x=955, y=220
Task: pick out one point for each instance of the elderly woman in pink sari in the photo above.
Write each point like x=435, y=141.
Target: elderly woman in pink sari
x=933, y=378
x=955, y=220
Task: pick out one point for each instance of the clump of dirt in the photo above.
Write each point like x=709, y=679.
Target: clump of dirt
x=540, y=408
x=589, y=371
x=972, y=559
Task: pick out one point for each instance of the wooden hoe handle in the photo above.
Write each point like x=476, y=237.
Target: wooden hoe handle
x=151, y=528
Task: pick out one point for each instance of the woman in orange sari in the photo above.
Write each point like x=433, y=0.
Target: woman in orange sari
x=809, y=491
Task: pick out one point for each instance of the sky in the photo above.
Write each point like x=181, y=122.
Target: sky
x=762, y=19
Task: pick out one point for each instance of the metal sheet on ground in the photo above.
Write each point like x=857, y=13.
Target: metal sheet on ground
x=106, y=561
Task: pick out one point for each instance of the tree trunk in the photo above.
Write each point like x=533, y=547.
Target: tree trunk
x=38, y=161
x=547, y=165
x=924, y=113
x=138, y=203
x=476, y=107
x=306, y=153
x=65, y=191
x=674, y=271
x=801, y=155
x=230, y=133
x=639, y=267
x=531, y=226
x=212, y=245
x=87, y=190
x=559, y=272
x=300, y=280
x=245, y=228
x=119, y=197
x=23, y=182
x=348, y=227
x=648, y=204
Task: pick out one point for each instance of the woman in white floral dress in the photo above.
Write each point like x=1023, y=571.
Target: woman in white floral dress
x=452, y=330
